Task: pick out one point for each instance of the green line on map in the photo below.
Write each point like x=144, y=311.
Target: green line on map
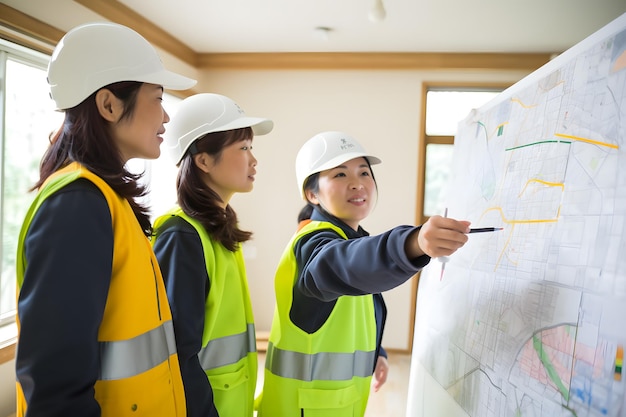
x=552, y=374
x=564, y=142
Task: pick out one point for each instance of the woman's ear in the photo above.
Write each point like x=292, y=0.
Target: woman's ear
x=311, y=197
x=110, y=107
x=203, y=161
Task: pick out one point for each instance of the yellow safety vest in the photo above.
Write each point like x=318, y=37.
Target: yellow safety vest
x=140, y=373
x=228, y=354
x=326, y=373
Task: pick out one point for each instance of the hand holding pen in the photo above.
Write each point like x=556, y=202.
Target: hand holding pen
x=439, y=236
x=448, y=235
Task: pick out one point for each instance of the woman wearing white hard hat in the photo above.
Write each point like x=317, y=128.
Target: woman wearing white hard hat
x=198, y=245
x=95, y=329
x=325, y=341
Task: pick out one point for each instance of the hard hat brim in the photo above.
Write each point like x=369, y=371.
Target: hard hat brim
x=340, y=159
x=259, y=126
x=168, y=79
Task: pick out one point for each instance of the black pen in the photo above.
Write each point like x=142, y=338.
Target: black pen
x=486, y=229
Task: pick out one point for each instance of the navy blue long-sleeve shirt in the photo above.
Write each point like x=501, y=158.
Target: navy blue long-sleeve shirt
x=69, y=248
x=330, y=266
x=181, y=259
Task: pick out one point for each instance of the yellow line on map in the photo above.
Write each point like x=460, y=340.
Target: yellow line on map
x=587, y=140
x=532, y=221
x=512, y=223
x=526, y=221
x=550, y=184
x=515, y=100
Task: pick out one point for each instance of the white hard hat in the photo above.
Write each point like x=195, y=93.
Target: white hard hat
x=325, y=151
x=207, y=113
x=94, y=55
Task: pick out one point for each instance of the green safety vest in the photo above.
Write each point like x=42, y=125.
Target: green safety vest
x=228, y=354
x=140, y=372
x=326, y=373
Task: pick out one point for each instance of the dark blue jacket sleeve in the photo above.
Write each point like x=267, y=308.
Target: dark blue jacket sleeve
x=365, y=265
x=181, y=258
x=69, y=251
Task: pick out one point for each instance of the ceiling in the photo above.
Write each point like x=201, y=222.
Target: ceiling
x=247, y=26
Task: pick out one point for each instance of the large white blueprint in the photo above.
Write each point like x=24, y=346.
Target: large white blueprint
x=531, y=320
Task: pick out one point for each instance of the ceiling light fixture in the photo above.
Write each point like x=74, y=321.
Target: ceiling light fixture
x=377, y=12
x=322, y=32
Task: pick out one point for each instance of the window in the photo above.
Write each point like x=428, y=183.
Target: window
x=445, y=108
x=160, y=174
x=28, y=118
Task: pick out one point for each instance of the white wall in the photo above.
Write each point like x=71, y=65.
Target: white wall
x=7, y=388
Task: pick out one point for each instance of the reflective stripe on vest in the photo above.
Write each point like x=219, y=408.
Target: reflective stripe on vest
x=227, y=350
x=322, y=366
x=127, y=358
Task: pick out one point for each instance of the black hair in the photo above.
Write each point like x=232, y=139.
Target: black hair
x=85, y=137
x=199, y=201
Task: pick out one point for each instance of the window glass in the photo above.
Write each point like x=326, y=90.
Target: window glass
x=445, y=109
x=160, y=174
x=30, y=119
x=438, y=169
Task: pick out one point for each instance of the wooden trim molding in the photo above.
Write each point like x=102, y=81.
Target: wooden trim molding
x=8, y=341
x=23, y=23
x=7, y=352
x=19, y=27
x=117, y=12
x=372, y=60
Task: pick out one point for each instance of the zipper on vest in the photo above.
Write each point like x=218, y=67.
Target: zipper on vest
x=156, y=288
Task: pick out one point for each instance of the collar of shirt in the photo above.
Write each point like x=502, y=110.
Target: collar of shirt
x=321, y=215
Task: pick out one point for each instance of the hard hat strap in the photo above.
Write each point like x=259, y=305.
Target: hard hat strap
x=193, y=149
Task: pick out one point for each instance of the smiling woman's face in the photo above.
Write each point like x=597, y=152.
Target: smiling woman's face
x=346, y=191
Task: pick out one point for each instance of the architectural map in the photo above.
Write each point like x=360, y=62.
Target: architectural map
x=531, y=320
